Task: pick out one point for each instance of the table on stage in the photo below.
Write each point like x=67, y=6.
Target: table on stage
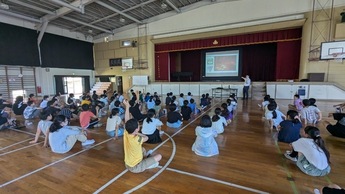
x=223, y=92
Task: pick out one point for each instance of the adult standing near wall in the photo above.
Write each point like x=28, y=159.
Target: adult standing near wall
x=246, y=86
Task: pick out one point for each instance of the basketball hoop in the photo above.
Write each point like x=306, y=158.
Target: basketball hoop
x=338, y=57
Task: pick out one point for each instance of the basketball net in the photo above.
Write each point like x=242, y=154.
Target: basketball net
x=124, y=68
x=338, y=57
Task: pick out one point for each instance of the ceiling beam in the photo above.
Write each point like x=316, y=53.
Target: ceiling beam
x=173, y=6
x=118, y=11
x=32, y=7
x=86, y=24
x=64, y=10
x=42, y=31
x=20, y=16
x=79, y=8
x=115, y=14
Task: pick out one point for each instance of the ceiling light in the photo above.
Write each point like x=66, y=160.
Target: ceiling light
x=164, y=6
x=90, y=31
x=4, y=6
x=122, y=20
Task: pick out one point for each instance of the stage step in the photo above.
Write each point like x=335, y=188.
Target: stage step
x=258, y=90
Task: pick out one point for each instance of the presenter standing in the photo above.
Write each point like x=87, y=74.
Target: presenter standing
x=246, y=85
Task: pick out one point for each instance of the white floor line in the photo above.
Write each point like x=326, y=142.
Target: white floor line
x=111, y=181
x=23, y=131
x=170, y=137
x=160, y=171
x=20, y=149
x=51, y=164
x=15, y=144
x=184, y=127
x=217, y=181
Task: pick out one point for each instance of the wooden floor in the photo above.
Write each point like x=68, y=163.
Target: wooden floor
x=249, y=162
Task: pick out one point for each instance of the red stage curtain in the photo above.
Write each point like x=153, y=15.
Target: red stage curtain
x=172, y=60
x=238, y=40
x=288, y=59
x=161, y=66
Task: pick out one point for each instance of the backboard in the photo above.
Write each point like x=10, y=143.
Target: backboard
x=332, y=50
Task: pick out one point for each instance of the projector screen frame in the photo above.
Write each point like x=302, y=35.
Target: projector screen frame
x=222, y=78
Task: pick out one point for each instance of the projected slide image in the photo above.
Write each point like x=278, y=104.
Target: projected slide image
x=225, y=63
x=222, y=63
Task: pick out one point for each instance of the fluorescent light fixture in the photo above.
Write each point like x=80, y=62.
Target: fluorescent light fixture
x=4, y=6
x=164, y=6
x=122, y=20
x=125, y=43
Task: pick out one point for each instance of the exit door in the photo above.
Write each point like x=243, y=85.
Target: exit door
x=119, y=85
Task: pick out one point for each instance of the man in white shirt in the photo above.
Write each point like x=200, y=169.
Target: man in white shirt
x=246, y=85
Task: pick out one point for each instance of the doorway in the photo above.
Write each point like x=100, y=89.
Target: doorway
x=73, y=85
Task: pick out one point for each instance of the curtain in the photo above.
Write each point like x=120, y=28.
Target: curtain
x=288, y=59
x=86, y=82
x=162, y=66
x=237, y=40
x=259, y=62
x=59, y=86
x=191, y=62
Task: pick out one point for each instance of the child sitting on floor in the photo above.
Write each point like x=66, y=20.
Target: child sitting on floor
x=152, y=127
x=289, y=130
x=43, y=126
x=186, y=111
x=174, y=118
x=205, y=143
x=218, y=122
x=114, y=126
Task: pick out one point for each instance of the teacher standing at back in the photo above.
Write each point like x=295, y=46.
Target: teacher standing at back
x=246, y=85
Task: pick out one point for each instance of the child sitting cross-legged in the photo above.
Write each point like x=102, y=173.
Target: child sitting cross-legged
x=205, y=143
x=152, y=127
x=174, y=118
x=218, y=122
x=114, y=124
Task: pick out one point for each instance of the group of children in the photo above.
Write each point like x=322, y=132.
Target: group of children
x=307, y=147
x=55, y=120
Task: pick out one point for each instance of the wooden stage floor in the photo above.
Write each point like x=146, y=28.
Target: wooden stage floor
x=250, y=161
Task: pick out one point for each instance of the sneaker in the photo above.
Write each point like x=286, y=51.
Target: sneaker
x=161, y=132
x=316, y=191
x=148, y=153
x=98, y=125
x=288, y=152
x=88, y=142
x=290, y=158
x=155, y=165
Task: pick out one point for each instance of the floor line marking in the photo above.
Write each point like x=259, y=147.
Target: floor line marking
x=23, y=131
x=217, y=181
x=51, y=164
x=14, y=144
x=292, y=183
x=117, y=177
x=160, y=171
x=110, y=182
x=15, y=150
x=184, y=127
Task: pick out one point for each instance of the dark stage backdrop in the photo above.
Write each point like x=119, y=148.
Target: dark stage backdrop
x=191, y=62
x=259, y=61
x=18, y=46
x=62, y=52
